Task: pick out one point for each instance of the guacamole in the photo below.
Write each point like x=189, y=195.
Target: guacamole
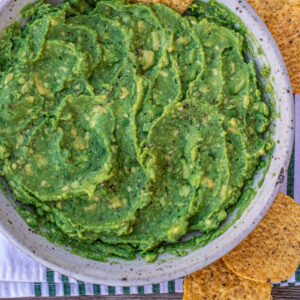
x=124, y=127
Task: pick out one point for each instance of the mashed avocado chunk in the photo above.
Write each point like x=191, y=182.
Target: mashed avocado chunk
x=124, y=127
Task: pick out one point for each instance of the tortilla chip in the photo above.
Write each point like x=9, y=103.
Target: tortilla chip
x=271, y=253
x=216, y=281
x=286, y=31
x=266, y=9
x=179, y=5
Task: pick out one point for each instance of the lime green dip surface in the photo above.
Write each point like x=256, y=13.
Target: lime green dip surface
x=123, y=127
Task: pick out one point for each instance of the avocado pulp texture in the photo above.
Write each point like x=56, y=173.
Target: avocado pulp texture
x=124, y=127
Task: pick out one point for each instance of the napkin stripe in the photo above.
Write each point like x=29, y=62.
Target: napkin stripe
x=291, y=170
x=297, y=275
x=155, y=288
x=51, y=284
x=96, y=289
x=111, y=290
x=81, y=288
x=171, y=286
x=66, y=285
x=37, y=289
x=291, y=175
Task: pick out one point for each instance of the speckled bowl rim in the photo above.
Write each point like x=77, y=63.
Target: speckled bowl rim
x=138, y=272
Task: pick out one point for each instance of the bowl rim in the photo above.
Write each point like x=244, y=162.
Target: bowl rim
x=95, y=272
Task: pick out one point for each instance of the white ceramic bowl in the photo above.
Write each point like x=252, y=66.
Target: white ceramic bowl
x=138, y=272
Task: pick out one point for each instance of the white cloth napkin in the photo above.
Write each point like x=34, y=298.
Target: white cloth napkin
x=21, y=276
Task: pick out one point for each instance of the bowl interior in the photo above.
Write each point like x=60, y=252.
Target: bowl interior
x=168, y=267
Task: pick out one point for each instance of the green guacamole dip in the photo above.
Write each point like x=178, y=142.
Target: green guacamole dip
x=124, y=127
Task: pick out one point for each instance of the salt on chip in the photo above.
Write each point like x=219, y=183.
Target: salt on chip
x=271, y=253
x=286, y=31
x=178, y=5
x=216, y=281
x=266, y=9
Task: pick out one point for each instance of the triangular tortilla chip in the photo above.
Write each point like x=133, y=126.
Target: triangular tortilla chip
x=271, y=252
